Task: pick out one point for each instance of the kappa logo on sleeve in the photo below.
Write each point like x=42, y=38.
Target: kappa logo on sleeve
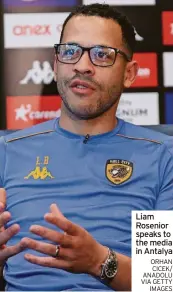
x=118, y=170
x=40, y=171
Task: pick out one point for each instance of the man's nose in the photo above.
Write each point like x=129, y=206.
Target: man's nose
x=84, y=65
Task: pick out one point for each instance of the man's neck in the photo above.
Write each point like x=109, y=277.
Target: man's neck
x=95, y=126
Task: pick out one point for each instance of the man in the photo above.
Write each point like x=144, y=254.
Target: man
x=90, y=167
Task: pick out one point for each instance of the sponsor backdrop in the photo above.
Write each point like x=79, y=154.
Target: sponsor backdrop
x=31, y=27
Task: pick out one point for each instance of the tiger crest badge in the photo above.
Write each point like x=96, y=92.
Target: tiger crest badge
x=118, y=170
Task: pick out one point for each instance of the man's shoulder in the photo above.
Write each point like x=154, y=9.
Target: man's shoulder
x=147, y=135
x=36, y=130
x=144, y=133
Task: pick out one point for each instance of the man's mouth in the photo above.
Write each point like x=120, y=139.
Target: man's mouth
x=81, y=87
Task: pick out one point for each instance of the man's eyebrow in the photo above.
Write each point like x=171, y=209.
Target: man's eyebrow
x=93, y=45
x=103, y=45
x=72, y=43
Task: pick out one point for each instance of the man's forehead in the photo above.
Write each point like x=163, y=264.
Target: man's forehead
x=92, y=29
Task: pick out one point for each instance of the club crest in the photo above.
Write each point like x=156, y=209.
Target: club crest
x=118, y=170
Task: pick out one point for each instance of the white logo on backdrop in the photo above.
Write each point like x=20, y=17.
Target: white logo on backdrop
x=39, y=73
x=22, y=112
x=138, y=37
x=25, y=113
x=144, y=72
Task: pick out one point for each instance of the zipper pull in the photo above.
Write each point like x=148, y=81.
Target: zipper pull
x=86, y=138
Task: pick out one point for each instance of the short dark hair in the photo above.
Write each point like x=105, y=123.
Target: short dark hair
x=108, y=12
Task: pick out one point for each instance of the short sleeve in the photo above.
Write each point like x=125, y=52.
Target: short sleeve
x=2, y=160
x=165, y=196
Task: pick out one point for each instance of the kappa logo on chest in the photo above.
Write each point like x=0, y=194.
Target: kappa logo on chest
x=41, y=170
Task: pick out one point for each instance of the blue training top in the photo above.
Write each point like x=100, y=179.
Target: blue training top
x=95, y=184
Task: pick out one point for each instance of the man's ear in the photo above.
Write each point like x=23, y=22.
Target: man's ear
x=130, y=73
x=55, y=69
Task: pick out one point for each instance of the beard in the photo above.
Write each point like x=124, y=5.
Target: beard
x=107, y=97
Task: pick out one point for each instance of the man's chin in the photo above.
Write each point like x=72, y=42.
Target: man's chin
x=84, y=115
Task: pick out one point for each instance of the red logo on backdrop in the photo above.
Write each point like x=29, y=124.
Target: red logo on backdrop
x=31, y=30
x=147, y=74
x=26, y=111
x=167, y=27
x=34, y=30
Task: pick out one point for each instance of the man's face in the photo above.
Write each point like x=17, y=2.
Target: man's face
x=103, y=85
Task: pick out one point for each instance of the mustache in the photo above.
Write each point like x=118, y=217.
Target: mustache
x=83, y=78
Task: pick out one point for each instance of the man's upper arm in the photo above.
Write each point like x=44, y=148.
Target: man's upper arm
x=2, y=160
x=165, y=197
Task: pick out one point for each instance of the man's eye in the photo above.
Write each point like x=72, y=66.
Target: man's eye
x=69, y=52
x=102, y=55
